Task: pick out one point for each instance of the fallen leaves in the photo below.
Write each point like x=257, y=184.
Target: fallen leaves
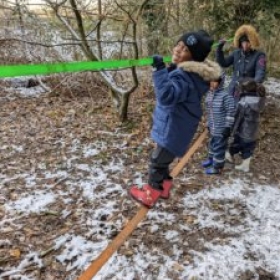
x=47, y=135
x=190, y=219
x=15, y=253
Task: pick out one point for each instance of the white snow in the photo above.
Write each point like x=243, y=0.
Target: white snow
x=171, y=235
x=79, y=251
x=218, y=261
x=31, y=259
x=35, y=202
x=257, y=234
x=273, y=86
x=27, y=92
x=88, y=152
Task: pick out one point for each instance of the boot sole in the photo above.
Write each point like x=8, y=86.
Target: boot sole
x=206, y=166
x=219, y=173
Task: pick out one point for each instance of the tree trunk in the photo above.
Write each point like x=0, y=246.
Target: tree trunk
x=120, y=102
x=124, y=107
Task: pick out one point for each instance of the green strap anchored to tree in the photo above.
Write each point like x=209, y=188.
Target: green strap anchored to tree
x=51, y=68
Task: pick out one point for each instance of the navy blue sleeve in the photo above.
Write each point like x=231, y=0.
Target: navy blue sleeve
x=170, y=88
x=222, y=60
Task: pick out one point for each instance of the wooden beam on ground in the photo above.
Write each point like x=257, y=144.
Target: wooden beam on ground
x=115, y=244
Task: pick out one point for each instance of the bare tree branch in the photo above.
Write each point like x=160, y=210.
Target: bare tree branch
x=79, y=21
x=39, y=44
x=84, y=46
x=98, y=29
x=124, y=10
x=73, y=17
x=140, y=9
x=75, y=43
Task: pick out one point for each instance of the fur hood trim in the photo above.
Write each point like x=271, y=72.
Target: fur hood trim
x=208, y=70
x=251, y=33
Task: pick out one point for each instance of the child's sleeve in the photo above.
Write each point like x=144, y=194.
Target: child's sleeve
x=170, y=89
x=230, y=109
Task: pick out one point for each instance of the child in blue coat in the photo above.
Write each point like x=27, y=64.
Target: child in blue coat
x=179, y=90
x=220, y=107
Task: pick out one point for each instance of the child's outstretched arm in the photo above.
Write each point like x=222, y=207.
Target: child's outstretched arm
x=169, y=89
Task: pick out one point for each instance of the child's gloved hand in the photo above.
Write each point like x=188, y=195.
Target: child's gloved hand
x=158, y=63
x=226, y=132
x=172, y=66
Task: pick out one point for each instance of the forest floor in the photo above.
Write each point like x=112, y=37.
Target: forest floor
x=66, y=164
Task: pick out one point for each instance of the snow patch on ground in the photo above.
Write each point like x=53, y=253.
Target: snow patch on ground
x=273, y=86
x=255, y=234
x=78, y=251
x=31, y=259
x=27, y=92
x=35, y=202
x=258, y=236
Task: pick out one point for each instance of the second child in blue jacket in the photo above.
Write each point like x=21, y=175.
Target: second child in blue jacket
x=220, y=108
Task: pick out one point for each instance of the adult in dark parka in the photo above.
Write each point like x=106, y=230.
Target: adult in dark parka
x=247, y=60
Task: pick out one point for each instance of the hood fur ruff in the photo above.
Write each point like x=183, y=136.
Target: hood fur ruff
x=251, y=33
x=208, y=70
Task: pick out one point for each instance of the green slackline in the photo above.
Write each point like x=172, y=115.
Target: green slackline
x=51, y=68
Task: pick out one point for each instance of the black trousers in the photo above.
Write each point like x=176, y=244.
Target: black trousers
x=246, y=149
x=159, y=166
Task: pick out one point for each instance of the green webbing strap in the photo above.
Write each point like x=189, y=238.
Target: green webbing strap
x=51, y=68
x=217, y=43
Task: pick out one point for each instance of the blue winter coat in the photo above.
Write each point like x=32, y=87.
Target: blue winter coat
x=220, y=107
x=250, y=64
x=178, y=103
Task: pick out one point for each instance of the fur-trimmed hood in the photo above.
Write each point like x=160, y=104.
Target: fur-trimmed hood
x=251, y=33
x=208, y=70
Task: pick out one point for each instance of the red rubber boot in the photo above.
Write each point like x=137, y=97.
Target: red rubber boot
x=167, y=186
x=148, y=196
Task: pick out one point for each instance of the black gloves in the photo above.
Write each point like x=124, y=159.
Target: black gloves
x=171, y=67
x=226, y=132
x=158, y=63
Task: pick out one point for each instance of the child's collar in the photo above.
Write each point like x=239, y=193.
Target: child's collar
x=208, y=70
